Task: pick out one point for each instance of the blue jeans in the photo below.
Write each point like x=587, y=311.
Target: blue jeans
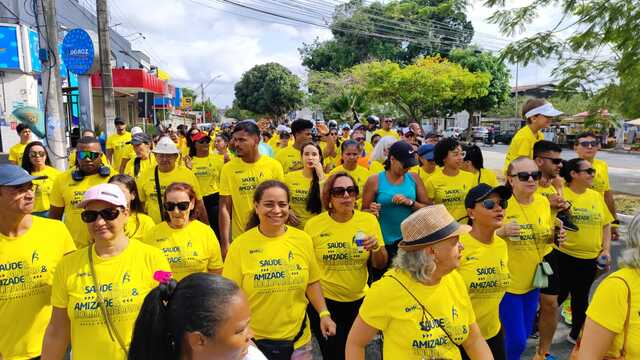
x=44, y=214
x=517, y=314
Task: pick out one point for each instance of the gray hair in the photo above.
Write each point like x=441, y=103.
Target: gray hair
x=384, y=144
x=630, y=256
x=419, y=264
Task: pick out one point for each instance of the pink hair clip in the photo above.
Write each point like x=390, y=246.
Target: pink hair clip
x=163, y=277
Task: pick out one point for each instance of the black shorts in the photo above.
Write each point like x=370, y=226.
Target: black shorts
x=567, y=269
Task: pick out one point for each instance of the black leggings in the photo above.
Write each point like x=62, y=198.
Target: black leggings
x=496, y=344
x=211, y=203
x=343, y=314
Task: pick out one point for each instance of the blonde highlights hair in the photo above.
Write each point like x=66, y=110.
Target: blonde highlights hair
x=630, y=256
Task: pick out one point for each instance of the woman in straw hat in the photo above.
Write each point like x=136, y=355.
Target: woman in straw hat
x=421, y=305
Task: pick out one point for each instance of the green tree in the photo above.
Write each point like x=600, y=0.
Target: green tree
x=432, y=86
x=499, y=89
x=209, y=108
x=269, y=89
x=335, y=95
x=188, y=92
x=399, y=31
x=239, y=114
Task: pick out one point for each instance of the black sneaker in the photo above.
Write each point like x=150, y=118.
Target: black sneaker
x=567, y=224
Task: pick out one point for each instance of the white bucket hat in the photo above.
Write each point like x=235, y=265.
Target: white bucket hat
x=166, y=146
x=546, y=110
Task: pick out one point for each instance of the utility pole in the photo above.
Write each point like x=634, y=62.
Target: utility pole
x=54, y=119
x=105, y=66
x=517, y=75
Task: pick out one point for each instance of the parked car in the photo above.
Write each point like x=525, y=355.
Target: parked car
x=505, y=136
x=453, y=132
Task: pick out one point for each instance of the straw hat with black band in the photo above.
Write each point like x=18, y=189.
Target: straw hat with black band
x=428, y=226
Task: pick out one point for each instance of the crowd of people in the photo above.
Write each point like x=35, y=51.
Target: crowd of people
x=250, y=240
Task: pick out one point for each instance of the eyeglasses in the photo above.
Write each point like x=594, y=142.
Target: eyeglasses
x=204, y=141
x=490, y=204
x=587, y=144
x=458, y=153
x=555, y=161
x=182, y=206
x=590, y=171
x=341, y=190
x=88, y=155
x=37, y=154
x=108, y=214
x=524, y=176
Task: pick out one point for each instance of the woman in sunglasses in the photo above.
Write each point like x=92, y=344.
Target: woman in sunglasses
x=305, y=184
x=344, y=240
x=276, y=267
x=483, y=265
x=206, y=167
x=574, y=263
x=529, y=231
x=189, y=245
x=138, y=223
x=97, y=291
x=35, y=160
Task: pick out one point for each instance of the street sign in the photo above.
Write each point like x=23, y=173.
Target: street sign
x=80, y=53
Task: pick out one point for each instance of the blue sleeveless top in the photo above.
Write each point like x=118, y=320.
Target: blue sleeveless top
x=391, y=215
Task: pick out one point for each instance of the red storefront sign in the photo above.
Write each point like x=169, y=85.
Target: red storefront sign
x=131, y=81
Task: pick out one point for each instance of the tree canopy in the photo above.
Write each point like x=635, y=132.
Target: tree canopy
x=269, y=89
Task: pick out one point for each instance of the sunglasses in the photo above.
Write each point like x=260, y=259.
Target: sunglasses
x=359, y=139
x=524, y=176
x=490, y=204
x=204, y=141
x=341, y=190
x=182, y=206
x=108, y=214
x=37, y=154
x=590, y=171
x=387, y=121
x=88, y=155
x=555, y=161
x=586, y=144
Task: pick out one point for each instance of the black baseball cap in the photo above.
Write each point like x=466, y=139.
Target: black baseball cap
x=482, y=191
x=404, y=153
x=140, y=138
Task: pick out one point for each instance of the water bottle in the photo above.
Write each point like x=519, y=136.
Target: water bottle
x=602, y=262
x=359, y=240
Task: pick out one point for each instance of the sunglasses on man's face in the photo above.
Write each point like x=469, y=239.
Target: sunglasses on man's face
x=341, y=190
x=490, y=204
x=182, y=206
x=588, y=144
x=555, y=161
x=524, y=176
x=88, y=155
x=108, y=214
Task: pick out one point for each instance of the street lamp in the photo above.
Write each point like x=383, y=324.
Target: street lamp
x=203, y=86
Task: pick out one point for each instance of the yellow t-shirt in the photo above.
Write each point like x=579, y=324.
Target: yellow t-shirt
x=207, y=171
x=290, y=159
x=522, y=145
x=138, y=224
x=389, y=307
x=343, y=265
x=239, y=180
x=330, y=161
x=73, y=157
x=423, y=175
x=450, y=191
x=16, y=152
x=601, y=178
x=536, y=235
x=118, y=143
x=486, y=177
x=147, y=187
x=383, y=133
x=376, y=167
x=590, y=214
x=486, y=273
x=42, y=188
x=194, y=248
x=609, y=309
x=274, y=273
x=360, y=174
x=144, y=165
x=547, y=191
x=68, y=193
x=299, y=186
x=27, y=265
x=125, y=280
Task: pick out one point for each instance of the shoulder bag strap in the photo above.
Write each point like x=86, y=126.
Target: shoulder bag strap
x=113, y=331
x=301, y=331
x=136, y=166
x=424, y=309
x=159, y=193
x=623, y=351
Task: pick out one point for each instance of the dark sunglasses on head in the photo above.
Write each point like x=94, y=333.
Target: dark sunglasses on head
x=36, y=154
x=182, y=206
x=524, y=176
x=555, y=161
x=592, y=143
x=88, y=155
x=590, y=171
x=489, y=204
x=340, y=190
x=108, y=214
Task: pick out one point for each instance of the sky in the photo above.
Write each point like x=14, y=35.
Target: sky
x=199, y=40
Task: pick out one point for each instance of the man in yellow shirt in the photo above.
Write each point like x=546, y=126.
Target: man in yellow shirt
x=69, y=187
x=238, y=180
x=30, y=249
x=117, y=144
x=386, y=130
x=16, y=151
x=538, y=114
x=290, y=157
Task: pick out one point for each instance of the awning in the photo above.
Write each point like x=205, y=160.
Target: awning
x=132, y=81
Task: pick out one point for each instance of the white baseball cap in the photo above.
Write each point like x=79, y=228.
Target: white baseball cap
x=166, y=146
x=110, y=193
x=547, y=110
x=136, y=130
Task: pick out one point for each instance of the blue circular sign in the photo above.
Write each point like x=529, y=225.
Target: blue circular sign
x=78, y=52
